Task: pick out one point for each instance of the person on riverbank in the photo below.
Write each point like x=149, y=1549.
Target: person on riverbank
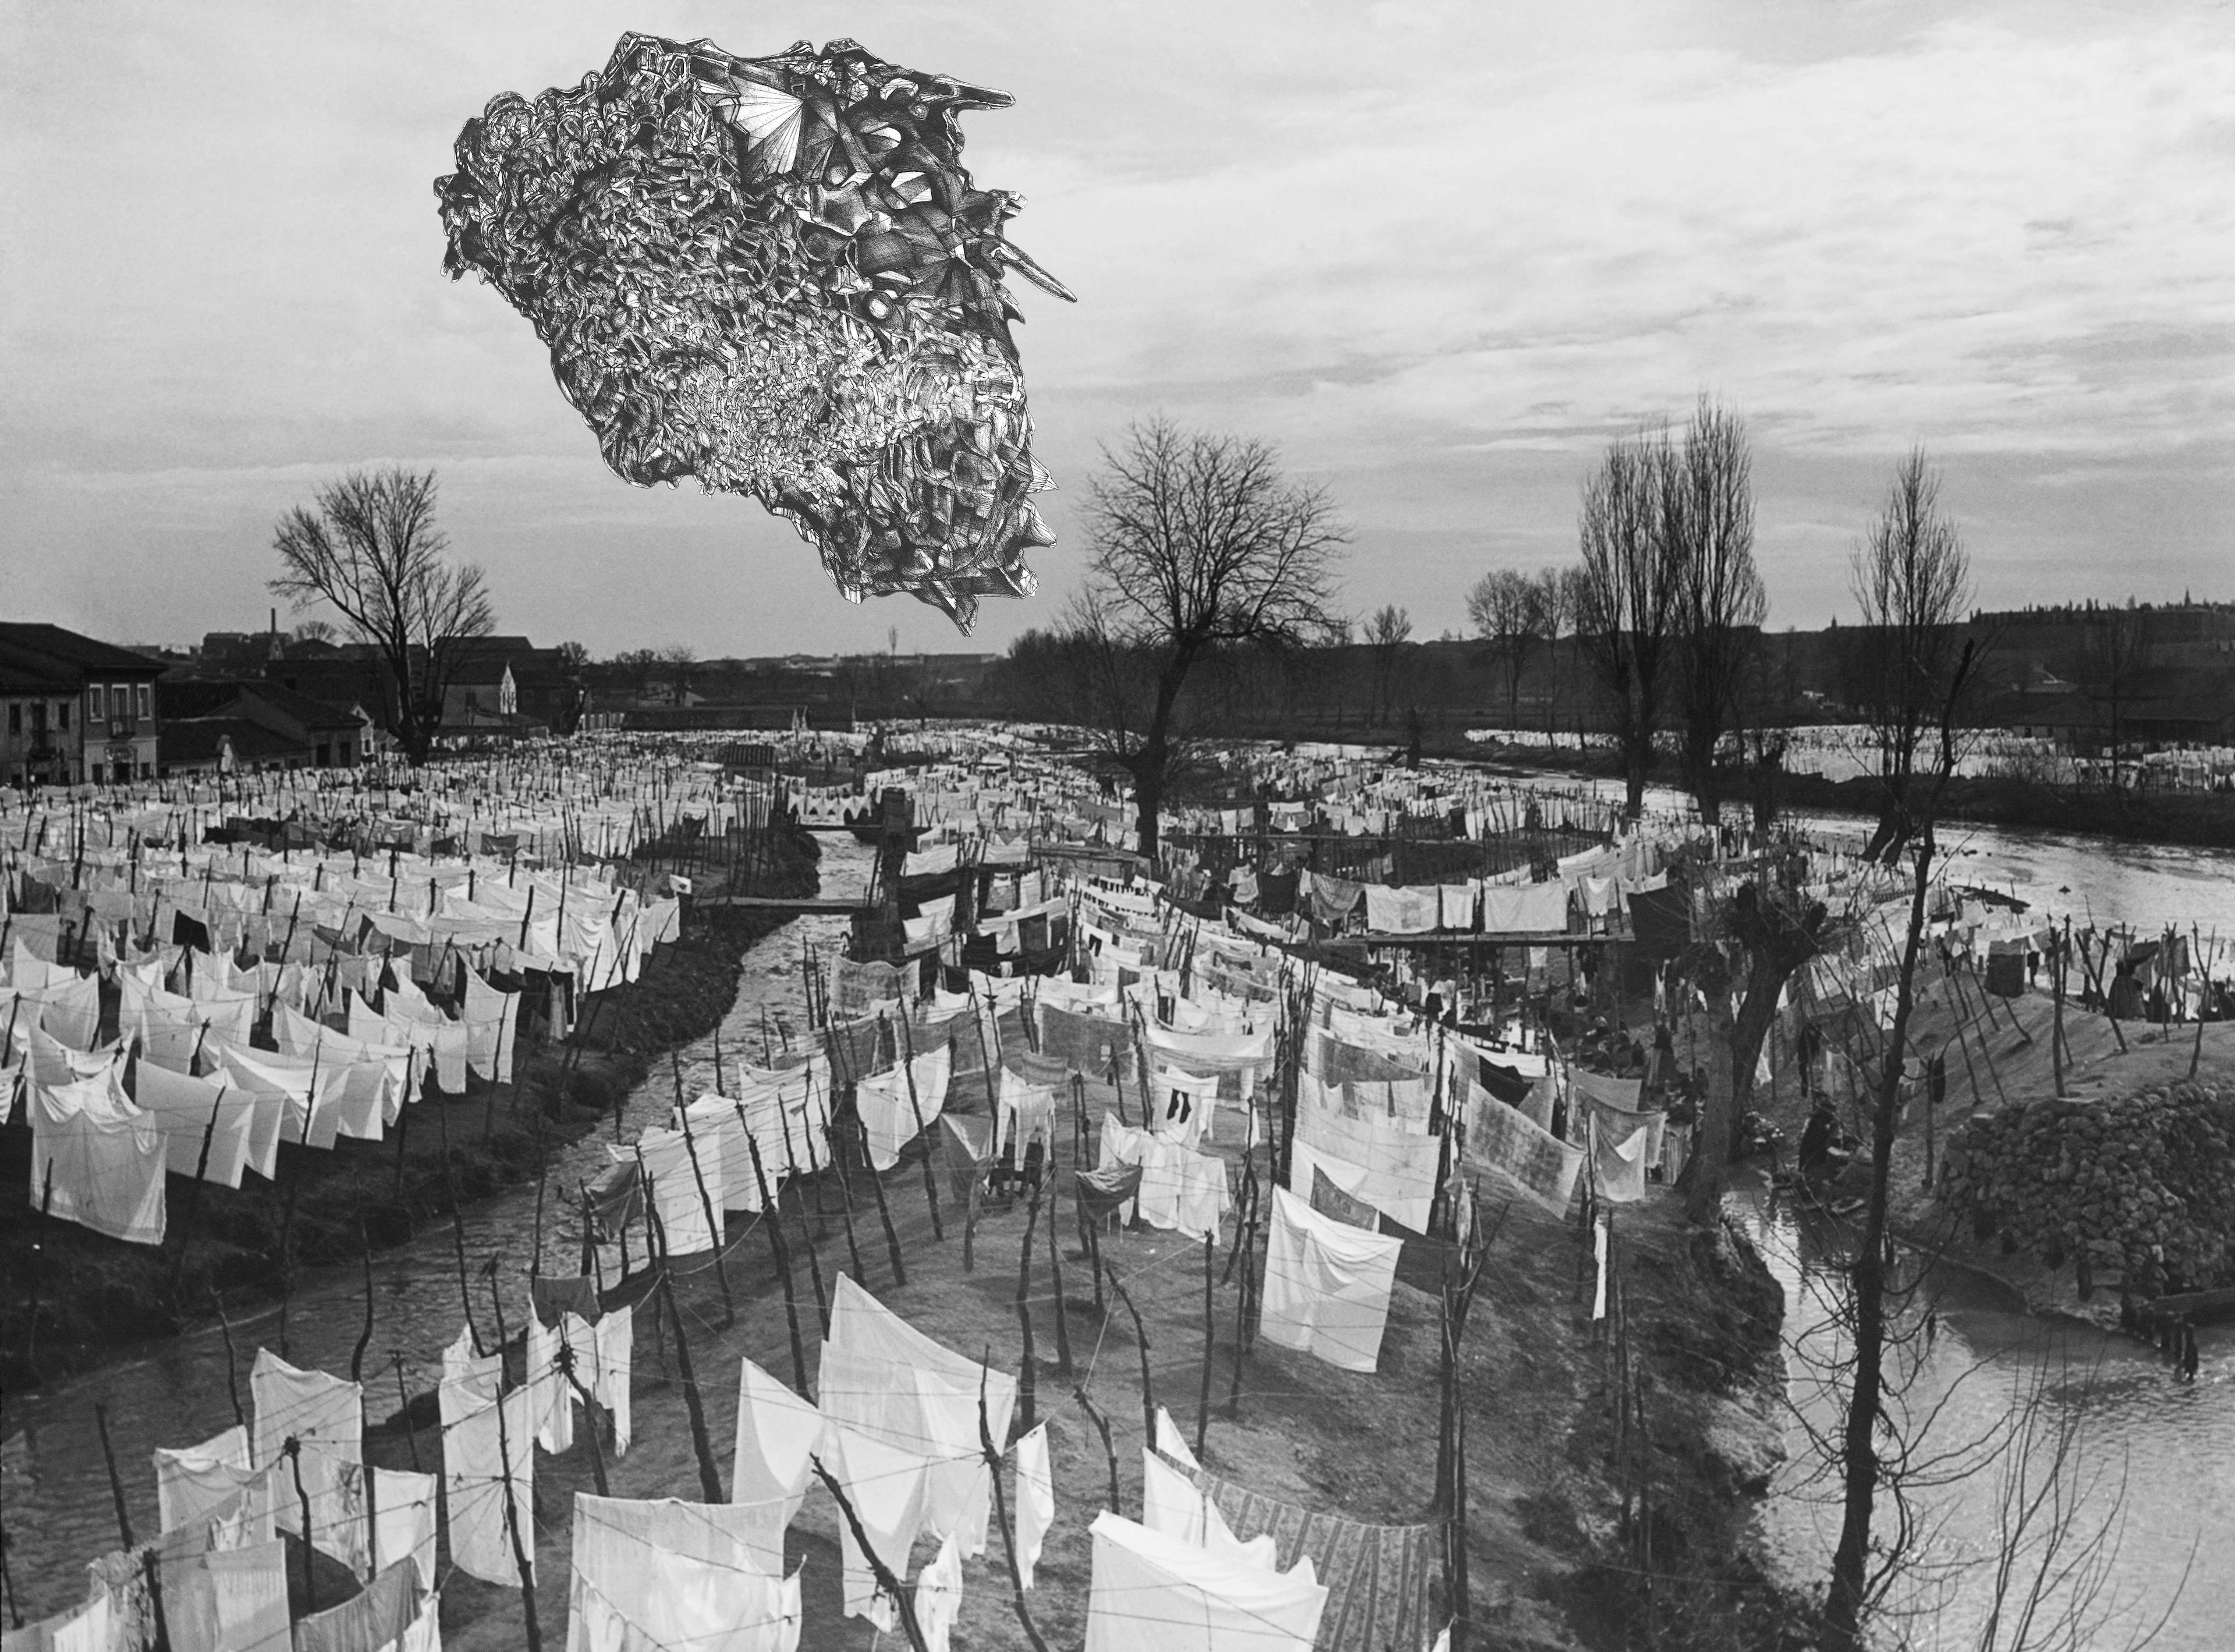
x=1819, y=1139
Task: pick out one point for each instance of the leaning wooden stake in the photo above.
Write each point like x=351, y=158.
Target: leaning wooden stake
x=457, y=1224
x=1210, y=1337
x=783, y=1254
x=193, y=1187
x=886, y=1581
x=1055, y=1268
x=1026, y=1386
x=1001, y=1514
x=1141, y=1338
x=806, y=1232
x=1241, y=1312
x=2196, y=1053
x=565, y=1363
x=930, y=1148
x=293, y=1448
x=706, y=1199
x=884, y=1210
x=710, y=1479
x=231, y=1362
x=116, y=1480
x=1102, y=1426
x=522, y=1547
x=846, y=1210
x=403, y=1409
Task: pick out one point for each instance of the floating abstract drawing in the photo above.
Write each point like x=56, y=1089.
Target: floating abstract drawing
x=773, y=274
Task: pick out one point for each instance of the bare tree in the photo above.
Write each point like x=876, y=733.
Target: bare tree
x=315, y=631
x=1861, y=1465
x=1567, y=585
x=2116, y=650
x=1387, y=632
x=1199, y=544
x=1912, y=581
x=1708, y=516
x=680, y=661
x=1627, y=593
x=637, y=667
x=573, y=655
x=1768, y=930
x=1513, y=610
x=371, y=552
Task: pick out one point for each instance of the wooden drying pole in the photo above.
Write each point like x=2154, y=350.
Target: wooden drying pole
x=364, y=1254
x=1001, y=1506
x=783, y=1254
x=710, y=1479
x=194, y=1187
x=930, y=1178
x=1102, y=1426
x=1027, y=1384
x=706, y=1199
x=1141, y=1340
x=1210, y=1336
x=845, y=1195
x=1055, y=1266
x=886, y=1583
x=522, y=1547
x=884, y=1210
x=813, y=1256
x=565, y=1360
x=457, y=1223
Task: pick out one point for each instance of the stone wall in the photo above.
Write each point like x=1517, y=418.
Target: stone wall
x=2139, y=1186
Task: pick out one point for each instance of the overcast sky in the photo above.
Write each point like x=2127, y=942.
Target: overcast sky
x=1440, y=255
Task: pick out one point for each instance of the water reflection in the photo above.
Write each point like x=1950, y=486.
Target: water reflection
x=2154, y=1457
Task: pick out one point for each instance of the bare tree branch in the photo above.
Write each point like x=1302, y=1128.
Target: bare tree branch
x=371, y=552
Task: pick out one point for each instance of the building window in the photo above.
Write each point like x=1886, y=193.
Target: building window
x=92, y=701
x=147, y=701
x=15, y=718
x=63, y=716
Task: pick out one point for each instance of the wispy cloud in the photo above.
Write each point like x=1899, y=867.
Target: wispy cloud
x=1441, y=252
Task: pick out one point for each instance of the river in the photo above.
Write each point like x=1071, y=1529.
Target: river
x=2146, y=886
x=2154, y=1458
x=54, y=1493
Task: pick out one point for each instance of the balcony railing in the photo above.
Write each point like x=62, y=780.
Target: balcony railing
x=122, y=728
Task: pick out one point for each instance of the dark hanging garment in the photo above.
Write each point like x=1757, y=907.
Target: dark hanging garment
x=1103, y=1193
x=1511, y=1087
x=1661, y=919
x=552, y=1297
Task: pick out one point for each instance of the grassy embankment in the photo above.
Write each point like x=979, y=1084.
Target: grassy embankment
x=97, y=1296
x=2007, y=1062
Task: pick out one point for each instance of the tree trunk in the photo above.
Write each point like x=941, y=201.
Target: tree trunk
x=1842, y=1609
x=1636, y=752
x=1775, y=948
x=1148, y=798
x=1150, y=766
x=1700, y=754
x=1709, y=1166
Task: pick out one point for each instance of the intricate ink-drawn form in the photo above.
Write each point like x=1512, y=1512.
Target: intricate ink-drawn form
x=774, y=274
